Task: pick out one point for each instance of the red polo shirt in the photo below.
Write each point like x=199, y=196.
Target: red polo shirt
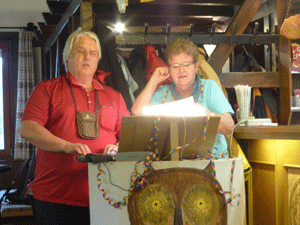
x=59, y=177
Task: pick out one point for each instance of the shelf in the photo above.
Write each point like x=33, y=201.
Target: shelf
x=264, y=132
x=253, y=79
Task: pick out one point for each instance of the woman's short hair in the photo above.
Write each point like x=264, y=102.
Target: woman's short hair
x=73, y=39
x=182, y=45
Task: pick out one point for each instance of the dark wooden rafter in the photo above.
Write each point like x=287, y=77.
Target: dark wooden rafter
x=160, y=15
x=43, y=32
x=51, y=19
x=170, y=2
x=170, y=10
x=237, y=26
x=40, y=37
x=46, y=29
x=57, y=7
x=61, y=24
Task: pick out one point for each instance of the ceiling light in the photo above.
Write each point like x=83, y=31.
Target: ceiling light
x=119, y=27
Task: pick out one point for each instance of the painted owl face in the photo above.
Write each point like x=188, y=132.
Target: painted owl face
x=178, y=196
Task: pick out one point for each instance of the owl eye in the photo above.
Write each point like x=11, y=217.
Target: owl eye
x=156, y=205
x=200, y=204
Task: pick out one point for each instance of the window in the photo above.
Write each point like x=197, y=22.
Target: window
x=1, y=104
x=8, y=81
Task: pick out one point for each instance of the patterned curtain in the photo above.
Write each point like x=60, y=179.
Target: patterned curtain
x=25, y=86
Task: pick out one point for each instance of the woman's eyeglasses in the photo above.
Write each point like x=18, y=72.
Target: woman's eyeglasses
x=176, y=66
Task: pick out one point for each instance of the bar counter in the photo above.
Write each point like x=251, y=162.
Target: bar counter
x=267, y=132
x=274, y=155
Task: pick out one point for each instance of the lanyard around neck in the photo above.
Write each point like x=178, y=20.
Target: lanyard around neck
x=197, y=91
x=74, y=96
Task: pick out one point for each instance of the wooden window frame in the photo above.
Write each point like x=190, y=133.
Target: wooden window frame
x=9, y=46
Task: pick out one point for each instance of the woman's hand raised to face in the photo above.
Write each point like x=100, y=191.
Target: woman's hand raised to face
x=160, y=74
x=144, y=99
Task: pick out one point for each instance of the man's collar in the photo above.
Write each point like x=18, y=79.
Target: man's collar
x=96, y=84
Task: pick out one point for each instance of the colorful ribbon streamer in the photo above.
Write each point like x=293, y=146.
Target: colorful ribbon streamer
x=139, y=181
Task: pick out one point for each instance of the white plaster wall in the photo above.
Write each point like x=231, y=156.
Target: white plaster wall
x=17, y=13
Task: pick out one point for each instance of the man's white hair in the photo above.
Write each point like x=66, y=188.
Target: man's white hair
x=73, y=39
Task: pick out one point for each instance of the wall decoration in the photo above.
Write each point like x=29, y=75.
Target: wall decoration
x=178, y=196
x=294, y=195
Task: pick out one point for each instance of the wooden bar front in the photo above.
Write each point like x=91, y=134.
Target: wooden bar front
x=273, y=153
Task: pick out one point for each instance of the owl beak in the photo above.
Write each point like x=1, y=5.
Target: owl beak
x=178, y=216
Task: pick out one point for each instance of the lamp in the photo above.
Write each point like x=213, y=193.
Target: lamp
x=119, y=27
x=184, y=107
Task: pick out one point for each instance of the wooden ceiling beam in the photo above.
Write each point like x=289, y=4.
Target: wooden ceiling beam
x=51, y=19
x=106, y=9
x=46, y=29
x=40, y=37
x=62, y=23
x=57, y=7
x=177, y=2
x=237, y=26
x=160, y=15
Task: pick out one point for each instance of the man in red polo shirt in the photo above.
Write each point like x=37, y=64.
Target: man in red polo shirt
x=60, y=189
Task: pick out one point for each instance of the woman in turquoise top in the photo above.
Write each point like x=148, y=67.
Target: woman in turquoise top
x=182, y=59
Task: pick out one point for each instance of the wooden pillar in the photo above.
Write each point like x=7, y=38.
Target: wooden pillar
x=284, y=65
x=86, y=15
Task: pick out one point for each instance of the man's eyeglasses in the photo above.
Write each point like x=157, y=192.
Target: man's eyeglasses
x=185, y=65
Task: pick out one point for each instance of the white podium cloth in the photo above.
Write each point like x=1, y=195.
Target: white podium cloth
x=120, y=174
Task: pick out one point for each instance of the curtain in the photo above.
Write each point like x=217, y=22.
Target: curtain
x=25, y=85
x=37, y=62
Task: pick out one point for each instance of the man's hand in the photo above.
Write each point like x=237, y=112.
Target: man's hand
x=111, y=149
x=76, y=148
x=42, y=138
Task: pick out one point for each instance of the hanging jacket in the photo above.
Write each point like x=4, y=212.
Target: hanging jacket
x=258, y=109
x=110, y=63
x=137, y=64
x=131, y=83
x=154, y=61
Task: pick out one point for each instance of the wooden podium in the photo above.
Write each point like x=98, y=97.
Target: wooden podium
x=173, y=131
x=120, y=174
x=175, y=182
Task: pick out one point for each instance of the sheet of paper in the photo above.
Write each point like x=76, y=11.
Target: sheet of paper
x=184, y=107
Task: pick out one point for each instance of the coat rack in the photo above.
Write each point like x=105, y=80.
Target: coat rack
x=128, y=39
